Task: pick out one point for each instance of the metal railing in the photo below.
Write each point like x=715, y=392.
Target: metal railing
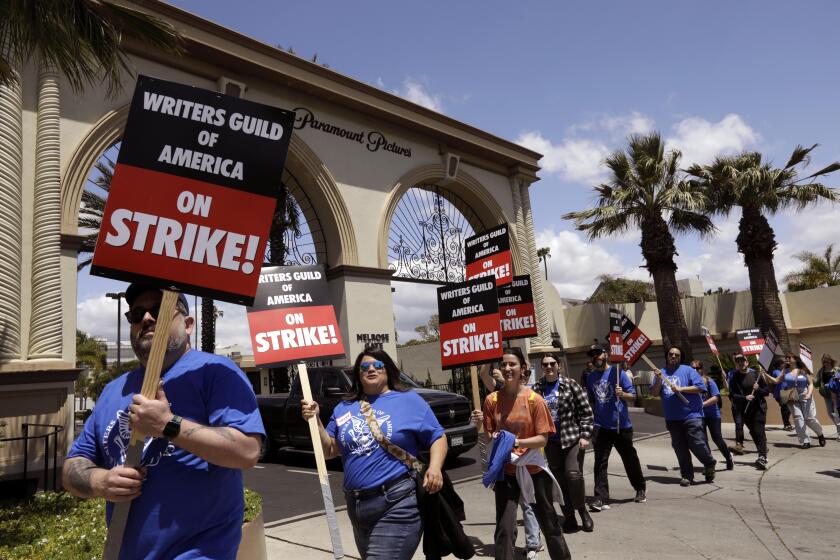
x=56, y=429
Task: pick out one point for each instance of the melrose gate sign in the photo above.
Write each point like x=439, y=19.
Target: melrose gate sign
x=373, y=140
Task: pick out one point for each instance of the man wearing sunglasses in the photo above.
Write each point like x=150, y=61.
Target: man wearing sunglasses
x=200, y=430
x=684, y=420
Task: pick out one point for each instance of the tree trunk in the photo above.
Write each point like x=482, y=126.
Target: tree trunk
x=757, y=242
x=208, y=326
x=658, y=250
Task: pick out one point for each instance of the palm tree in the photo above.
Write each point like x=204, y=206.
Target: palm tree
x=645, y=192
x=818, y=272
x=93, y=207
x=760, y=190
x=80, y=39
x=543, y=254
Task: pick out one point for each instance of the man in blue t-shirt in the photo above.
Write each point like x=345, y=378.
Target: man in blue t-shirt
x=684, y=420
x=607, y=396
x=201, y=428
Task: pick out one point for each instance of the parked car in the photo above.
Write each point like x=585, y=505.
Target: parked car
x=285, y=427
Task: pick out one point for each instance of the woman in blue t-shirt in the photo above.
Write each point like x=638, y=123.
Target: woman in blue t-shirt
x=379, y=487
x=795, y=375
x=711, y=413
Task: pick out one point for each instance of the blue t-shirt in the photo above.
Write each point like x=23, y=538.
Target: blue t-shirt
x=777, y=388
x=188, y=507
x=790, y=380
x=404, y=418
x=600, y=385
x=833, y=384
x=712, y=410
x=672, y=405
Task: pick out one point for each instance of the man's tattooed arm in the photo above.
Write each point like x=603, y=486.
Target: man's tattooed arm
x=220, y=431
x=77, y=476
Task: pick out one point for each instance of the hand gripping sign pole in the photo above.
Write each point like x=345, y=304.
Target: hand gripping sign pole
x=151, y=379
x=326, y=492
x=665, y=380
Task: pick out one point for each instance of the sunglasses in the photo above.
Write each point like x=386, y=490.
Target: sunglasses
x=549, y=364
x=377, y=364
x=136, y=314
x=674, y=354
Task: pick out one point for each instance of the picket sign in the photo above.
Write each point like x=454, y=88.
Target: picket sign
x=665, y=379
x=320, y=462
x=713, y=347
x=151, y=380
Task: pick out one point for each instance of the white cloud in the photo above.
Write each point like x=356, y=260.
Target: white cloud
x=572, y=159
x=98, y=317
x=701, y=140
x=413, y=305
x=624, y=125
x=416, y=92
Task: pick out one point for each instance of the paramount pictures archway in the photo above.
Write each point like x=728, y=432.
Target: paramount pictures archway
x=367, y=151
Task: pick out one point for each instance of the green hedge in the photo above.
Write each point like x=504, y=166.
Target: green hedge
x=60, y=526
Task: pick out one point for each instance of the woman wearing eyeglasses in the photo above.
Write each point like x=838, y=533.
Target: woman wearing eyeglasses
x=380, y=490
x=711, y=414
x=573, y=420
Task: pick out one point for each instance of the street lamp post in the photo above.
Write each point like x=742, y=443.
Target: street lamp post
x=118, y=297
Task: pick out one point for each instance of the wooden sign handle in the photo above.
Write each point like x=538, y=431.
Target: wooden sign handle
x=482, y=437
x=320, y=462
x=665, y=380
x=134, y=454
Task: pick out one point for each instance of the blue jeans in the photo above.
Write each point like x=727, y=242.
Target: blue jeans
x=687, y=437
x=387, y=526
x=713, y=427
x=532, y=527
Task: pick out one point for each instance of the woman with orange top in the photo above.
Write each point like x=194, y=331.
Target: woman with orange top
x=522, y=412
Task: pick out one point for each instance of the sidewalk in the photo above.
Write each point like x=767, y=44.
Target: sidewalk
x=789, y=511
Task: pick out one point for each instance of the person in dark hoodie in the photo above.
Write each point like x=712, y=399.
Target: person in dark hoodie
x=748, y=389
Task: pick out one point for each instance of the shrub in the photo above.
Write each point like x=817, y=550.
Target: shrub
x=53, y=526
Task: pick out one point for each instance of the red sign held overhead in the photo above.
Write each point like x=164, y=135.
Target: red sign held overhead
x=635, y=342
x=488, y=254
x=194, y=191
x=470, y=332
x=516, y=309
x=293, y=319
x=710, y=341
x=750, y=340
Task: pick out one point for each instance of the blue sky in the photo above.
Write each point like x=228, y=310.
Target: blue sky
x=571, y=80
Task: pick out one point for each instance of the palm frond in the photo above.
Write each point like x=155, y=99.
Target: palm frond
x=799, y=155
x=684, y=221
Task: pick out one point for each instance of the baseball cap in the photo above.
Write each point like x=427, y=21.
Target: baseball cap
x=595, y=351
x=137, y=288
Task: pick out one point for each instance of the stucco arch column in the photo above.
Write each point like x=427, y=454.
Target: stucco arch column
x=11, y=207
x=45, y=335
x=543, y=339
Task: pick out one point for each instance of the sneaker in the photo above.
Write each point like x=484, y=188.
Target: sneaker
x=685, y=482
x=640, y=497
x=738, y=449
x=788, y=428
x=709, y=474
x=838, y=437
x=730, y=464
x=806, y=445
x=761, y=463
x=532, y=555
x=597, y=505
x=821, y=439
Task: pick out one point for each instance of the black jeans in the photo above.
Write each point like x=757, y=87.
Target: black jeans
x=713, y=432
x=738, y=418
x=755, y=424
x=567, y=467
x=551, y=524
x=605, y=439
x=687, y=437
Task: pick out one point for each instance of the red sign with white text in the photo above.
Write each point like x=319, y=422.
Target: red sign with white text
x=470, y=331
x=750, y=340
x=711, y=342
x=516, y=309
x=194, y=191
x=293, y=319
x=488, y=254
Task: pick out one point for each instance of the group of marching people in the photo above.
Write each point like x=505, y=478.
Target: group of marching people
x=539, y=435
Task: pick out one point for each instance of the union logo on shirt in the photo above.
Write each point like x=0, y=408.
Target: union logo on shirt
x=355, y=435
x=675, y=381
x=115, y=441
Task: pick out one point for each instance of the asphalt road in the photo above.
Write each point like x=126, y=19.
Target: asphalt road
x=289, y=483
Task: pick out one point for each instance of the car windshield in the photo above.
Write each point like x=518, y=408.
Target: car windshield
x=408, y=381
